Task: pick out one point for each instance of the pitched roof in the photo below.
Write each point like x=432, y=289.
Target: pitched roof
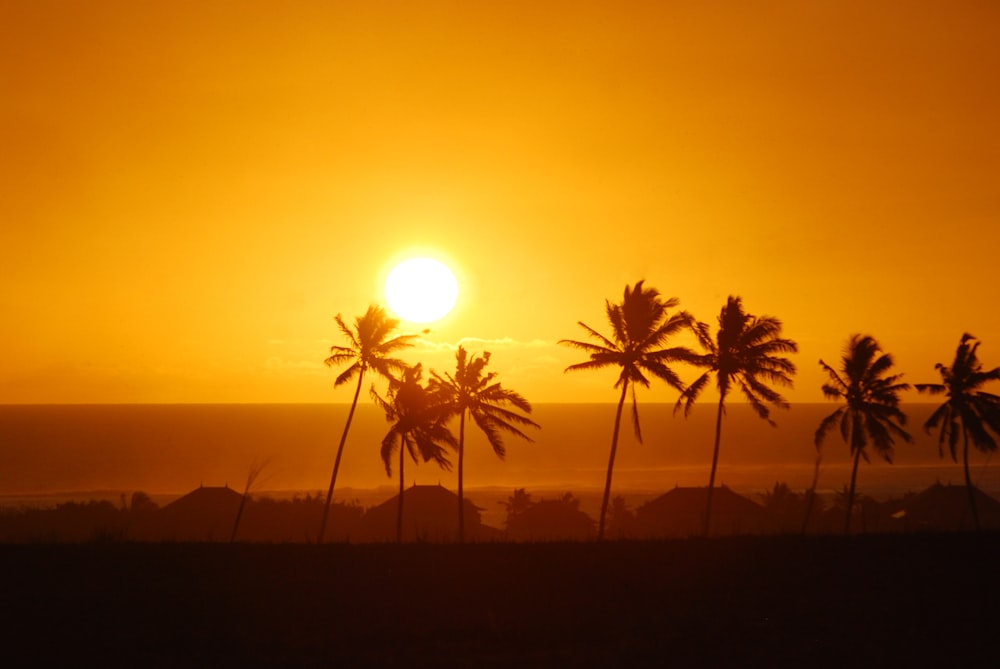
x=946, y=507
x=680, y=512
x=430, y=513
x=204, y=514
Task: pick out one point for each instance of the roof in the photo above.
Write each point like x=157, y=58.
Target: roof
x=430, y=513
x=681, y=511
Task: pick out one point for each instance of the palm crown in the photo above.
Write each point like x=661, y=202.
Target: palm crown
x=871, y=399
x=476, y=392
x=639, y=327
x=417, y=420
x=746, y=351
x=369, y=347
x=968, y=409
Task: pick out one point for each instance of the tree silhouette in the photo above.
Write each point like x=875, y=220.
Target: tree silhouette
x=256, y=467
x=871, y=405
x=746, y=353
x=639, y=328
x=473, y=392
x=968, y=413
x=369, y=349
x=517, y=503
x=418, y=428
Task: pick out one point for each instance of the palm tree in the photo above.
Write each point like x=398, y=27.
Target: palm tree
x=745, y=353
x=418, y=428
x=369, y=349
x=639, y=328
x=969, y=413
x=871, y=405
x=472, y=392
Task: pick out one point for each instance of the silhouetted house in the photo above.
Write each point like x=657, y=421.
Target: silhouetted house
x=204, y=514
x=430, y=513
x=946, y=508
x=551, y=520
x=681, y=513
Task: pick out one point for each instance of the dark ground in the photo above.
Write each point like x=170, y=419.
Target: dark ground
x=878, y=601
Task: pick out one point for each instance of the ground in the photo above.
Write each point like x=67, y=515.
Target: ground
x=902, y=600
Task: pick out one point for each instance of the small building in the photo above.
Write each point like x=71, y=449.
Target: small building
x=206, y=513
x=551, y=520
x=681, y=513
x=946, y=508
x=430, y=513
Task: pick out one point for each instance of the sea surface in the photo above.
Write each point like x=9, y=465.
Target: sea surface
x=47, y=451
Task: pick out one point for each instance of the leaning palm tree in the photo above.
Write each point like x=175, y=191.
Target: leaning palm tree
x=475, y=393
x=369, y=349
x=640, y=326
x=871, y=405
x=418, y=428
x=745, y=352
x=969, y=413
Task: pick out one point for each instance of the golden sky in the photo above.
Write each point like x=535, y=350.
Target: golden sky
x=190, y=191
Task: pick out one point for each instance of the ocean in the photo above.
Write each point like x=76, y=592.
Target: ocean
x=47, y=451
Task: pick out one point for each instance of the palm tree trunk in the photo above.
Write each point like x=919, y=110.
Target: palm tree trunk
x=336, y=463
x=611, y=461
x=811, y=494
x=715, y=463
x=399, y=516
x=461, y=463
x=968, y=479
x=850, y=493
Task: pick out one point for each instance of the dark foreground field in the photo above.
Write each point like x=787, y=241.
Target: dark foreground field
x=885, y=601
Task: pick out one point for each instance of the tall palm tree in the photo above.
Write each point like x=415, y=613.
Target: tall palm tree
x=871, y=405
x=418, y=428
x=969, y=413
x=369, y=349
x=746, y=352
x=640, y=326
x=476, y=393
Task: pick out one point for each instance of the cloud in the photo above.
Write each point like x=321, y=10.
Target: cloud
x=478, y=343
x=278, y=364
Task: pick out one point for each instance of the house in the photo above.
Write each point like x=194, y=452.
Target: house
x=430, y=513
x=681, y=513
x=551, y=520
x=946, y=508
x=206, y=513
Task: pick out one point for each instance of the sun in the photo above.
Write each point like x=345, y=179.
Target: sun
x=421, y=290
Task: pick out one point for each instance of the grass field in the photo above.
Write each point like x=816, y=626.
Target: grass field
x=885, y=601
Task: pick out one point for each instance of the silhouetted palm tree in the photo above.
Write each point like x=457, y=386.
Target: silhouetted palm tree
x=418, y=427
x=871, y=405
x=472, y=392
x=639, y=328
x=968, y=413
x=369, y=349
x=745, y=353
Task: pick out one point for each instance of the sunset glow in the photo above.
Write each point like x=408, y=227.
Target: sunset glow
x=190, y=193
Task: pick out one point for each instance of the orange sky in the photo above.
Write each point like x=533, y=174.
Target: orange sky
x=190, y=192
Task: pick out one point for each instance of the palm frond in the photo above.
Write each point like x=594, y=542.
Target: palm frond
x=347, y=374
x=826, y=425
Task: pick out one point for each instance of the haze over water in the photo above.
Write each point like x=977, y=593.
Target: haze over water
x=169, y=449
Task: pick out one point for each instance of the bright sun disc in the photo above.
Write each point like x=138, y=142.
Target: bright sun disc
x=421, y=290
